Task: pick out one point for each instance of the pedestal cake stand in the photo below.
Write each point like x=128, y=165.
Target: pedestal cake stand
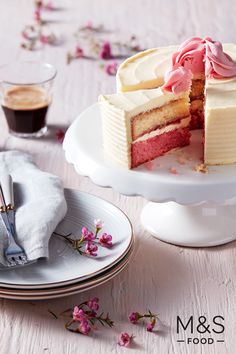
x=185, y=207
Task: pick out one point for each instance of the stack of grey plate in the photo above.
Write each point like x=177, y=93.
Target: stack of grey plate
x=66, y=272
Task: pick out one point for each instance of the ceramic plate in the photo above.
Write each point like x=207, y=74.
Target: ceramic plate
x=65, y=266
x=70, y=289
x=80, y=285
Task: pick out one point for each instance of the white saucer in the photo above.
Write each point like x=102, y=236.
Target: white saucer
x=65, y=266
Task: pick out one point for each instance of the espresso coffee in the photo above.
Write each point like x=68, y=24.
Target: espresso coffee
x=25, y=108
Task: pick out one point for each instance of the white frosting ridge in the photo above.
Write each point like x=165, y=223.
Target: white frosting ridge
x=136, y=102
x=144, y=70
x=220, y=117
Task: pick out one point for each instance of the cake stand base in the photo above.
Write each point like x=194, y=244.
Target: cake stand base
x=201, y=225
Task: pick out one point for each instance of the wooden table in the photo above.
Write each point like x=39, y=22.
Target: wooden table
x=167, y=279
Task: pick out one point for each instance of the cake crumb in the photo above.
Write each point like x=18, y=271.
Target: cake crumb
x=181, y=160
x=173, y=170
x=149, y=165
x=201, y=168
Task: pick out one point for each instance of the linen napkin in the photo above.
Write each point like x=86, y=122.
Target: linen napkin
x=39, y=201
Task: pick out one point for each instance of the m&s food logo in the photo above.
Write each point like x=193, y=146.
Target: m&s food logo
x=200, y=330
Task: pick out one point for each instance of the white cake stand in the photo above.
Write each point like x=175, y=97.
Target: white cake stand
x=188, y=208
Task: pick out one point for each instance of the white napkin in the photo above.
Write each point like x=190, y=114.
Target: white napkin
x=39, y=201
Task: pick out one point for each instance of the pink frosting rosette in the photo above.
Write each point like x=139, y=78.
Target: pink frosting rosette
x=218, y=64
x=204, y=56
x=190, y=55
x=178, y=80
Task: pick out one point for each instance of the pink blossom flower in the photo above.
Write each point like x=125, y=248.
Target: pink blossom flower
x=111, y=68
x=85, y=231
x=89, y=25
x=88, y=236
x=49, y=6
x=105, y=240
x=84, y=327
x=124, y=339
x=98, y=223
x=37, y=14
x=78, y=314
x=60, y=135
x=25, y=35
x=44, y=39
x=38, y=3
x=79, y=52
x=134, y=317
x=150, y=326
x=93, y=304
x=105, y=52
x=91, y=248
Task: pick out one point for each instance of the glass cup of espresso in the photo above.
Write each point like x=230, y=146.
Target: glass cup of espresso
x=26, y=94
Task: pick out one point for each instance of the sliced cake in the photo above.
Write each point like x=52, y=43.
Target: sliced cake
x=147, y=70
x=141, y=125
x=213, y=91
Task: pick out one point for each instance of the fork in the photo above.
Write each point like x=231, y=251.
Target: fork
x=14, y=253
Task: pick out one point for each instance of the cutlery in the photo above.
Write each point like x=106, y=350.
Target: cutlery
x=14, y=253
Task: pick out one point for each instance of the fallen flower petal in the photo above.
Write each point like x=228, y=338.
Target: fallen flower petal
x=60, y=135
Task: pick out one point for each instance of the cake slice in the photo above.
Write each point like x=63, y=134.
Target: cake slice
x=141, y=125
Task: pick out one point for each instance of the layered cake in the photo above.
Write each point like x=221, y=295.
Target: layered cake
x=213, y=92
x=141, y=125
x=147, y=69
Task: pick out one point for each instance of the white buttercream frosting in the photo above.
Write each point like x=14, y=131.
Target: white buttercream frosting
x=136, y=102
x=144, y=70
x=220, y=117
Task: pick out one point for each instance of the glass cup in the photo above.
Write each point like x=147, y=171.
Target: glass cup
x=26, y=94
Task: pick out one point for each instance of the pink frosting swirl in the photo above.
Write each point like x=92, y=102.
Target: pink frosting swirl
x=218, y=64
x=178, y=80
x=204, y=56
x=190, y=55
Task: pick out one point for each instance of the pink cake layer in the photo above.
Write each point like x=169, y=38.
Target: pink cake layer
x=149, y=149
